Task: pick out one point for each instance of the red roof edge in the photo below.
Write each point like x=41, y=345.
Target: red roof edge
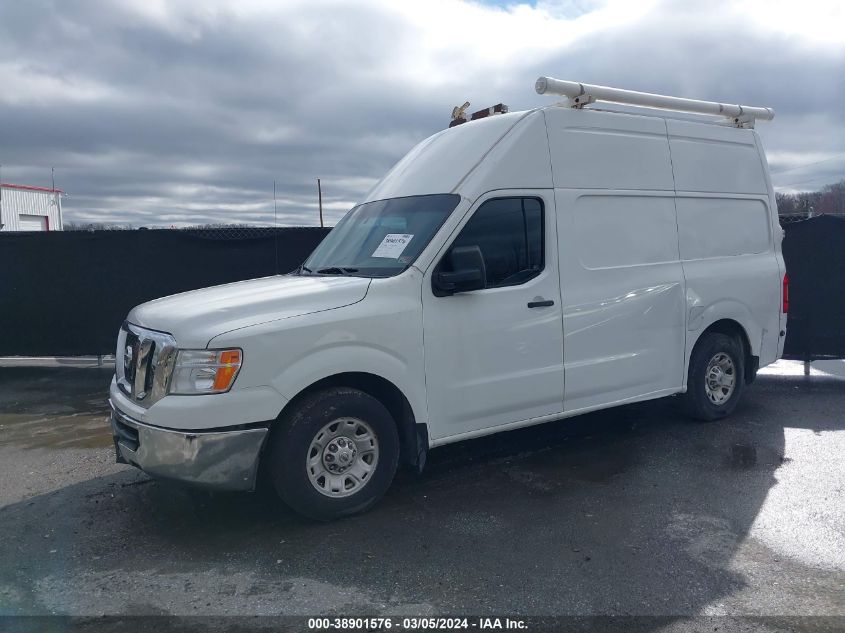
x=30, y=188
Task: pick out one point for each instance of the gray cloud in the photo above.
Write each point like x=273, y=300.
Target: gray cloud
x=184, y=113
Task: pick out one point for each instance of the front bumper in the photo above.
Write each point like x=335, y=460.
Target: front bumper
x=226, y=460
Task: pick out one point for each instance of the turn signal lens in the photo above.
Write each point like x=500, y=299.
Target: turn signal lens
x=230, y=363
x=205, y=371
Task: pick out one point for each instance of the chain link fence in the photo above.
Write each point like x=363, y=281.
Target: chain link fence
x=791, y=218
x=221, y=232
x=243, y=232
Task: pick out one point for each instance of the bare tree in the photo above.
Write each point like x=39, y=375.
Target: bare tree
x=96, y=226
x=832, y=199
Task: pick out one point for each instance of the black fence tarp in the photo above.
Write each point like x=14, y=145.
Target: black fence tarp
x=66, y=293
x=814, y=251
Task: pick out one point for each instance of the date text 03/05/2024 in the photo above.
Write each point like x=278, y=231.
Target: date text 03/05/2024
x=417, y=623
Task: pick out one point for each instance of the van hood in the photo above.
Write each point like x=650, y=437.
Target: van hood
x=195, y=317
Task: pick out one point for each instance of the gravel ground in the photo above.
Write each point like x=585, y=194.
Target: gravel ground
x=632, y=511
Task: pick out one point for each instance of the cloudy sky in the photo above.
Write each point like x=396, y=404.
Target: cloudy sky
x=159, y=112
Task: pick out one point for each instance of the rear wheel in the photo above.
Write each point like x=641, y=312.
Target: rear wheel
x=716, y=377
x=334, y=454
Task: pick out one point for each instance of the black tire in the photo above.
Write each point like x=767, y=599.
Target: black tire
x=697, y=402
x=298, y=428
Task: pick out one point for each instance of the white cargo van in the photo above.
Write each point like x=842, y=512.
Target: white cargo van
x=512, y=270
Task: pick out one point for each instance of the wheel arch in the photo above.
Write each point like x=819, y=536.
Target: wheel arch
x=413, y=436
x=733, y=328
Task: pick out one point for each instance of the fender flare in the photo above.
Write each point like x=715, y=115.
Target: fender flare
x=365, y=367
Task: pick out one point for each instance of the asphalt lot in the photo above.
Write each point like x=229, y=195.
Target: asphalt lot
x=632, y=511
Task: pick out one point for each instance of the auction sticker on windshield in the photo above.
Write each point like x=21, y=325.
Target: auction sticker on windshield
x=392, y=245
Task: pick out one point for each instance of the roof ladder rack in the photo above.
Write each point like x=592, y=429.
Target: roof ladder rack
x=578, y=95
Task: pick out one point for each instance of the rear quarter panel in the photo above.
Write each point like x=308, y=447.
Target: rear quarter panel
x=729, y=239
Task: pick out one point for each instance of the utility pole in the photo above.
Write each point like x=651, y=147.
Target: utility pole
x=275, y=231
x=320, y=201
x=1, y=198
x=57, y=198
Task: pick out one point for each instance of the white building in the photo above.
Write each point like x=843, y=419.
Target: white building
x=26, y=208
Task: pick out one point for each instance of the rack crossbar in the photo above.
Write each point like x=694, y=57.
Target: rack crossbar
x=580, y=94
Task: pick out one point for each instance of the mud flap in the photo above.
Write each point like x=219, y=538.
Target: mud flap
x=422, y=447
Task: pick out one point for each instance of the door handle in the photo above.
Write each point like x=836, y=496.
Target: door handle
x=540, y=303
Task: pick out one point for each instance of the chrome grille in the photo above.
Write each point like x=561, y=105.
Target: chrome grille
x=144, y=363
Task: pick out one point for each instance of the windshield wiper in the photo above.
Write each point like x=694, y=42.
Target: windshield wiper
x=336, y=270
x=301, y=270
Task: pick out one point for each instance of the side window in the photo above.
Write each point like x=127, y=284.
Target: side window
x=509, y=232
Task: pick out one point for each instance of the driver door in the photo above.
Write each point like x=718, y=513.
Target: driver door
x=494, y=356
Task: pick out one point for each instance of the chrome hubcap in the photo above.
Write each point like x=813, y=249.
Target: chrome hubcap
x=342, y=457
x=720, y=378
x=339, y=455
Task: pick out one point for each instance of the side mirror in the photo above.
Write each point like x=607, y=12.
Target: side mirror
x=468, y=272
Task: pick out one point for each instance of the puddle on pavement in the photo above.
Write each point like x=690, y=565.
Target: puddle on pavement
x=742, y=457
x=78, y=430
x=54, y=407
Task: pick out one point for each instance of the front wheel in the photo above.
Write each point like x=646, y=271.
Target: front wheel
x=716, y=377
x=335, y=453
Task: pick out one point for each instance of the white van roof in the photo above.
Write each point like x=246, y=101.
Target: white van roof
x=441, y=162
x=512, y=151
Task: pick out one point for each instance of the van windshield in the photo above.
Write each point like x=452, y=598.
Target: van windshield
x=381, y=238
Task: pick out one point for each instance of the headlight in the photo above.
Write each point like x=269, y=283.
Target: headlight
x=205, y=370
